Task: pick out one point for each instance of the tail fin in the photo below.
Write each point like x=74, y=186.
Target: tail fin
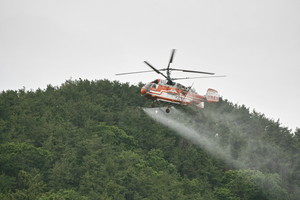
x=212, y=95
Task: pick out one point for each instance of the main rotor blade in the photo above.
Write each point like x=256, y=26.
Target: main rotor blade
x=171, y=59
x=174, y=79
x=157, y=71
x=192, y=71
x=133, y=72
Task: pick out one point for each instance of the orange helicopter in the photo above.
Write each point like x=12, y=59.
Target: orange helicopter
x=174, y=93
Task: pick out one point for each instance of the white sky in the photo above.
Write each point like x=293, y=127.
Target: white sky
x=255, y=43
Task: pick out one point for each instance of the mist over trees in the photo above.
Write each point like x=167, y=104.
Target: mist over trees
x=91, y=140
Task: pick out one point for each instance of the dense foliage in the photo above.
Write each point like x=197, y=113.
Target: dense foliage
x=90, y=140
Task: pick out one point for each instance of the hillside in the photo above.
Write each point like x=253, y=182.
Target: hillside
x=92, y=140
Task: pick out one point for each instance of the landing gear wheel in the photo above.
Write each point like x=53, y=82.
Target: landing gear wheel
x=167, y=110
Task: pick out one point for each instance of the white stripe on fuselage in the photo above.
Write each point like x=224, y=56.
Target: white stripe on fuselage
x=173, y=96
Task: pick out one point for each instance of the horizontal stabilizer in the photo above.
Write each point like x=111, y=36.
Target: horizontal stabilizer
x=212, y=95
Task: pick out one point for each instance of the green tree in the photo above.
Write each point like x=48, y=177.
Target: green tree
x=91, y=139
x=251, y=185
x=21, y=156
x=62, y=195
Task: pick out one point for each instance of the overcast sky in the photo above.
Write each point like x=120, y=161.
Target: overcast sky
x=255, y=43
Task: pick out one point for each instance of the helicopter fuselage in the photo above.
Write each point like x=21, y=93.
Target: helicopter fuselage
x=175, y=93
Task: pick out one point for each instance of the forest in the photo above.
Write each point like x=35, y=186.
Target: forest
x=88, y=140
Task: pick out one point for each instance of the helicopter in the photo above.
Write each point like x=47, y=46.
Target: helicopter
x=168, y=91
